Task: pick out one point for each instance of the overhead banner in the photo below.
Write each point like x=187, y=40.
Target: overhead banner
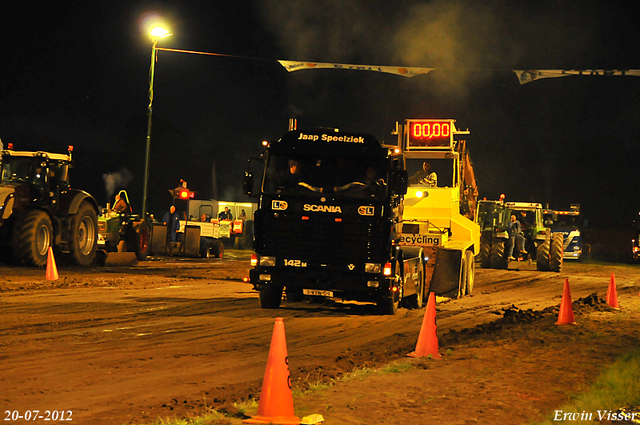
x=405, y=71
x=531, y=75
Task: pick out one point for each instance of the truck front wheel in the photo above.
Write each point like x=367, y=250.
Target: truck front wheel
x=270, y=296
x=83, y=235
x=389, y=303
x=32, y=236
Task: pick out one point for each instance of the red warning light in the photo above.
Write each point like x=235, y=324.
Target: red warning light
x=183, y=193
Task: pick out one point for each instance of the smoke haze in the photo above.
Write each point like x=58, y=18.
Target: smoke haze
x=462, y=38
x=116, y=181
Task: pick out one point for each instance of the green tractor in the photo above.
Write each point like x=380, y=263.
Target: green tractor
x=540, y=244
x=39, y=210
x=122, y=235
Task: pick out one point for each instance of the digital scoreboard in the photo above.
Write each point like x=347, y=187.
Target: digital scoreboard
x=430, y=133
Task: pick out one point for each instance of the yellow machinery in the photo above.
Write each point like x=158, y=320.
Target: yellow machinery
x=436, y=240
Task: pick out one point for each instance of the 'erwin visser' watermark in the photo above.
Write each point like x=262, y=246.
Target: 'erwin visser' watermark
x=589, y=416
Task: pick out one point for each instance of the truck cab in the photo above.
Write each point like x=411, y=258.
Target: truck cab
x=325, y=223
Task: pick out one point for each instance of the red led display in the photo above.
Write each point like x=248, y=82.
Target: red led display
x=429, y=133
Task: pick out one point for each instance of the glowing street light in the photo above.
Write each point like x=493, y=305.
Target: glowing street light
x=156, y=33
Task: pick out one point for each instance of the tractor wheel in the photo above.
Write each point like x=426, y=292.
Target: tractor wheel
x=416, y=301
x=141, y=240
x=270, y=296
x=556, y=252
x=542, y=255
x=485, y=250
x=217, y=247
x=83, y=235
x=471, y=271
x=32, y=236
x=205, y=250
x=462, y=282
x=498, y=254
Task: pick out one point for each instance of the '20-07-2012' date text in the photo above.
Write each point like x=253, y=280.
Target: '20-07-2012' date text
x=38, y=415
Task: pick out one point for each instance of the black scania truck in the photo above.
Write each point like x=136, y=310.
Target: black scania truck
x=325, y=225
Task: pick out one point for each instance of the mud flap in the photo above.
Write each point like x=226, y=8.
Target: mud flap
x=159, y=239
x=446, y=273
x=191, y=241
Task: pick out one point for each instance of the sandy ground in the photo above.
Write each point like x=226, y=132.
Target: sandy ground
x=171, y=337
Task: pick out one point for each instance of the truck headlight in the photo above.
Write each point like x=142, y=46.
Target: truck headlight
x=372, y=267
x=268, y=261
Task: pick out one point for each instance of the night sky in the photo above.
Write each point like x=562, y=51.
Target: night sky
x=76, y=72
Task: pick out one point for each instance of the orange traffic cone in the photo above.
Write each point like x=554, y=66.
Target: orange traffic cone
x=276, y=399
x=428, y=338
x=52, y=270
x=612, y=293
x=565, y=317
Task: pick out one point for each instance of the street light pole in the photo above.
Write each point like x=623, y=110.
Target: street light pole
x=156, y=33
x=149, y=113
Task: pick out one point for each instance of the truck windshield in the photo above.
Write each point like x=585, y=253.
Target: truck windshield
x=345, y=177
x=561, y=221
x=16, y=169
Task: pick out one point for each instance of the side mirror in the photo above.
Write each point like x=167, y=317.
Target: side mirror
x=400, y=182
x=247, y=185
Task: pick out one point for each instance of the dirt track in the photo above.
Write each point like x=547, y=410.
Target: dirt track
x=165, y=338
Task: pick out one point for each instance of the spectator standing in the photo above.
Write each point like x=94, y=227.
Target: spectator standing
x=226, y=214
x=172, y=221
x=513, y=229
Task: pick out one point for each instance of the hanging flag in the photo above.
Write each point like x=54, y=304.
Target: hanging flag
x=405, y=71
x=532, y=75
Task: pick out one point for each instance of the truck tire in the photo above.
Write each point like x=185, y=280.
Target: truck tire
x=485, y=250
x=498, y=254
x=542, y=255
x=471, y=272
x=83, y=235
x=556, y=252
x=388, y=303
x=294, y=294
x=270, y=296
x=31, y=238
x=141, y=241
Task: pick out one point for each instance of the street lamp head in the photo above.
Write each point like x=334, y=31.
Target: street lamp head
x=159, y=32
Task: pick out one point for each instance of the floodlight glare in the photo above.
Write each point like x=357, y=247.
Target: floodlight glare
x=159, y=32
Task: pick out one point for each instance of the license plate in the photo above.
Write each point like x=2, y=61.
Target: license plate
x=317, y=292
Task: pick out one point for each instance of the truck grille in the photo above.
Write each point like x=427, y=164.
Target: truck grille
x=324, y=239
